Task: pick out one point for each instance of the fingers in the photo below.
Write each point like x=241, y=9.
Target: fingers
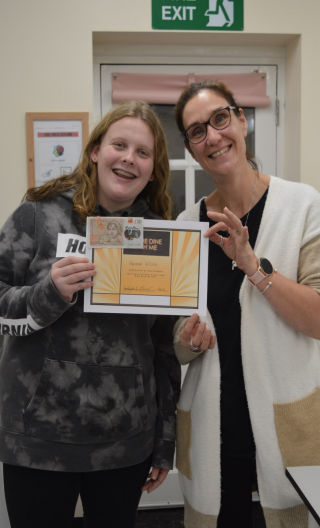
x=189, y=326
x=235, y=244
x=244, y=235
x=70, y=265
x=63, y=262
x=197, y=334
x=235, y=222
x=237, y=233
x=220, y=226
x=69, y=273
x=201, y=337
x=156, y=477
x=226, y=221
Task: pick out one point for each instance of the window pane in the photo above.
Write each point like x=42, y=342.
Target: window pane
x=204, y=184
x=178, y=192
x=174, y=139
x=250, y=139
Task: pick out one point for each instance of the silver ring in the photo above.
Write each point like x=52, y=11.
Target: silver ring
x=192, y=347
x=240, y=231
x=221, y=241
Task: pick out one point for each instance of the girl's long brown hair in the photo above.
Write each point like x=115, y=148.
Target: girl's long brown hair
x=84, y=178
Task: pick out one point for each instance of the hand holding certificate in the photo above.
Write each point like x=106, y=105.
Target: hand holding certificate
x=166, y=274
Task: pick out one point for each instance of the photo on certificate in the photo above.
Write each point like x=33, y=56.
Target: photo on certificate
x=167, y=275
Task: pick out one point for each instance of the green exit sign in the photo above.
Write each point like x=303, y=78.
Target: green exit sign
x=210, y=15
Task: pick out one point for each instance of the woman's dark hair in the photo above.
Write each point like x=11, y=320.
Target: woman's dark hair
x=219, y=88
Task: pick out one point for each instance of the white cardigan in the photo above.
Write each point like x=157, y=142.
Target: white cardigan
x=280, y=366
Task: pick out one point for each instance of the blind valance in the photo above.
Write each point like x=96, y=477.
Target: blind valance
x=249, y=89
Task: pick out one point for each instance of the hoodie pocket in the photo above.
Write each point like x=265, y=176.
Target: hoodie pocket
x=81, y=403
x=297, y=426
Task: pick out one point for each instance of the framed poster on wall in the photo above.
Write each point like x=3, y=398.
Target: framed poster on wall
x=54, y=144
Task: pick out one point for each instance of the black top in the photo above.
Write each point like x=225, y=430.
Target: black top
x=224, y=306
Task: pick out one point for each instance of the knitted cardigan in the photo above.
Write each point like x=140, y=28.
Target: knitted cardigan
x=281, y=373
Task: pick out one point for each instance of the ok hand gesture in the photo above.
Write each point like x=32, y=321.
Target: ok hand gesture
x=236, y=246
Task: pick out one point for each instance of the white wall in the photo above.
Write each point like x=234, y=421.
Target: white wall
x=46, y=65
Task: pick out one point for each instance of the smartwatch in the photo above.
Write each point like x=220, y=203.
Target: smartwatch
x=264, y=270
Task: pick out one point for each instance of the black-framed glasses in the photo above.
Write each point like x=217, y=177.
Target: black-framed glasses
x=219, y=120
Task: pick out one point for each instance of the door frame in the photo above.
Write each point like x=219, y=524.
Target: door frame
x=258, y=58
x=169, y=494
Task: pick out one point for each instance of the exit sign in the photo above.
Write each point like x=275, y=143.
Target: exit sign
x=210, y=15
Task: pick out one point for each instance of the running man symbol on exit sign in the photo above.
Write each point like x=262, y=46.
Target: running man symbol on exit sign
x=218, y=15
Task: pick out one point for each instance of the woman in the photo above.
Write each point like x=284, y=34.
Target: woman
x=87, y=403
x=114, y=233
x=251, y=404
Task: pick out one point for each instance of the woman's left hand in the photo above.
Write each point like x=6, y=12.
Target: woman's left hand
x=236, y=246
x=297, y=304
x=156, y=477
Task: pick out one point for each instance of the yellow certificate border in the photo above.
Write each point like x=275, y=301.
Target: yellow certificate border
x=170, y=276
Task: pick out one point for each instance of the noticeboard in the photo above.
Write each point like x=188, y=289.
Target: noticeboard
x=54, y=144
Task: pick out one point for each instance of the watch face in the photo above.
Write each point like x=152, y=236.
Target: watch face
x=266, y=266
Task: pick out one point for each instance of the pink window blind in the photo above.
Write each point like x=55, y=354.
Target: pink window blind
x=249, y=89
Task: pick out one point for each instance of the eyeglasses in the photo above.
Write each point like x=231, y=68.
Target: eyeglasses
x=219, y=120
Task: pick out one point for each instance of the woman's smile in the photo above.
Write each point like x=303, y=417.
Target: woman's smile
x=220, y=152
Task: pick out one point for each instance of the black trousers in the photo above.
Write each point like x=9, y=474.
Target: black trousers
x=237, y=477
x=37, y=498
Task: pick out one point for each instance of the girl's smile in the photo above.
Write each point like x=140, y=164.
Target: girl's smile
x=125, y=160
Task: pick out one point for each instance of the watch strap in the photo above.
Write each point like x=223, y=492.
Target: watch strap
x=257, y=277
x=261, y=273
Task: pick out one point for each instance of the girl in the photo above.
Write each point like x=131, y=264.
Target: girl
x=87, y=401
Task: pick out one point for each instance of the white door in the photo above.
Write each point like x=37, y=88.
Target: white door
x=188, y=181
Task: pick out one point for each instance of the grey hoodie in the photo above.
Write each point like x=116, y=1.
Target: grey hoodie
x=78, y=391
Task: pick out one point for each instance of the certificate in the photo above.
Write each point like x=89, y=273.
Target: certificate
x=169, y=275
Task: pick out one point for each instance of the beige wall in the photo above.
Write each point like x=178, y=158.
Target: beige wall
x=46, y=65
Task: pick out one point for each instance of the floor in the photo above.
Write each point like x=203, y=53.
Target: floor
x=173, y=518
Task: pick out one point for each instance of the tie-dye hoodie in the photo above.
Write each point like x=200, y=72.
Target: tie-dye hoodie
x=78, y=391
